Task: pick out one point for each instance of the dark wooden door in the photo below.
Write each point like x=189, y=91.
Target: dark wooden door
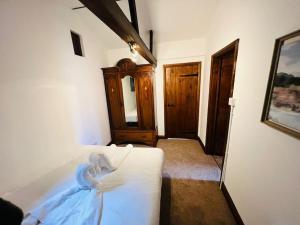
x=221, y=88
x=182, y=83
x=115, y=105
x=223, y=109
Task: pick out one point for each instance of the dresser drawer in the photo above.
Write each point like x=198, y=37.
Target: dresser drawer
x=133, y=136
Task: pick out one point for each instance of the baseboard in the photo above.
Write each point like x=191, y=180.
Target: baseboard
x=232, y=207
x=202, y=145
x=161, y=137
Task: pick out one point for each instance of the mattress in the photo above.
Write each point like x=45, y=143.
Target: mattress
x=135, y=202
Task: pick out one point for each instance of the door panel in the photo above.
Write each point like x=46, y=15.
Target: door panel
x=186, y=96
x=113, y=95
x=170, y=103
x=213, y=98
x=223, y=109
x=221, y=88
x=145, y=94
x=182, y=100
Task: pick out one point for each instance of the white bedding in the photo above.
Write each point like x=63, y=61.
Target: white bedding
x=136, y=202
x=131, y=116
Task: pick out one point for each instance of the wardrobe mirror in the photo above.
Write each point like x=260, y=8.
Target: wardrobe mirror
x=129, y=97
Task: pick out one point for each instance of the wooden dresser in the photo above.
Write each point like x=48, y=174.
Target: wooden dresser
x=129, y=93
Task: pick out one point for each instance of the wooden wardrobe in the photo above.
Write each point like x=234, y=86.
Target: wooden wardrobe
x=129, y=93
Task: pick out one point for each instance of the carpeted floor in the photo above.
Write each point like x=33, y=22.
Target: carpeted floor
x=190, y=193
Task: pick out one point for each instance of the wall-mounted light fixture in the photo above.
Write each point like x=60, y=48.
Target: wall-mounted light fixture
x=132, y=47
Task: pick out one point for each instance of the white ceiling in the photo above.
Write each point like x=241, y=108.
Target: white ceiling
x=171, y=20
x=174, y=20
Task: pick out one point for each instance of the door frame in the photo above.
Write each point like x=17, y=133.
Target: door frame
x=213, y=94
x=198, y=92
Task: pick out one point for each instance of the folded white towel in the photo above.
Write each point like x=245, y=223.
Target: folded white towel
x=95, y=161
x=113, y=159
x=85, y=176
x=107, y=159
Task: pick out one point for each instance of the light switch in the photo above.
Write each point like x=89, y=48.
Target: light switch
x=232, y=101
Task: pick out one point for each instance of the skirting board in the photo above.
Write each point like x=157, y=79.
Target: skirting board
x=202, y=145
x=161, y=137
x=232, y=207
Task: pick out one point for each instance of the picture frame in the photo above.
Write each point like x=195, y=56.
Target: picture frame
x=282, y=101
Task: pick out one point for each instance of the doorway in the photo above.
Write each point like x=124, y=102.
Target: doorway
x=221, y=89
x=181, y=95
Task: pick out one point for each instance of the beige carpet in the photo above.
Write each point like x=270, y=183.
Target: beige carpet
x=190, y=193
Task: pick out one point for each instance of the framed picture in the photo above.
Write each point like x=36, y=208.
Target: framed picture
x=282, y=102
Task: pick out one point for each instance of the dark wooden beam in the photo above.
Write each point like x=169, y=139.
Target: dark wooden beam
x=110, y=13
x=133, y=15
x=151, y=41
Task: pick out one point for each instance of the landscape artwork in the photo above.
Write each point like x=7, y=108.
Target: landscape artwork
x=282, y=106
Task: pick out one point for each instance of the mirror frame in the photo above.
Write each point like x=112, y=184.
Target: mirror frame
x=135, y=123
x=128, y=68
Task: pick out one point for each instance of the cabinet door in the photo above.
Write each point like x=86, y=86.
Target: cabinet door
x=146, y=103
x=114, y=101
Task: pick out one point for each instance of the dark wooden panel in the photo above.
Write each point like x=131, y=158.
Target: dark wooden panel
x=110, y=13
x=182, y=84
x=170, y=102
x=114, y=103
x=133, y=15
x=186, y=100
x=146, y=102
x=213, y=98
x=135, y=136
x=221, y=89
x=223, y=109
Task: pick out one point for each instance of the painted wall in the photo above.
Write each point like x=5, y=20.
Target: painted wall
x=166, y=53
x=263, y=167
x=51, y=101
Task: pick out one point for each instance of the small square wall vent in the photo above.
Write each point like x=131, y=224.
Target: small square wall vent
x=76, y=43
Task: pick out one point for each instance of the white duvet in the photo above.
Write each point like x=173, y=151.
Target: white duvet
x=135, y=202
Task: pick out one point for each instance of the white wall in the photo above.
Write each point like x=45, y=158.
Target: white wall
x=51, y=101
x=167, y=53
x=263, y=167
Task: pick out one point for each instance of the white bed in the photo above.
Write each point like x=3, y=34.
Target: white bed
x=136, y=202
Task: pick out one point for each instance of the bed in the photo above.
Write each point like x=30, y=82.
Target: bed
x=136, y=202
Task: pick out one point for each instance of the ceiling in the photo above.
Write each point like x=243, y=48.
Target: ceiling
x=174, y=20
x=171, y=20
